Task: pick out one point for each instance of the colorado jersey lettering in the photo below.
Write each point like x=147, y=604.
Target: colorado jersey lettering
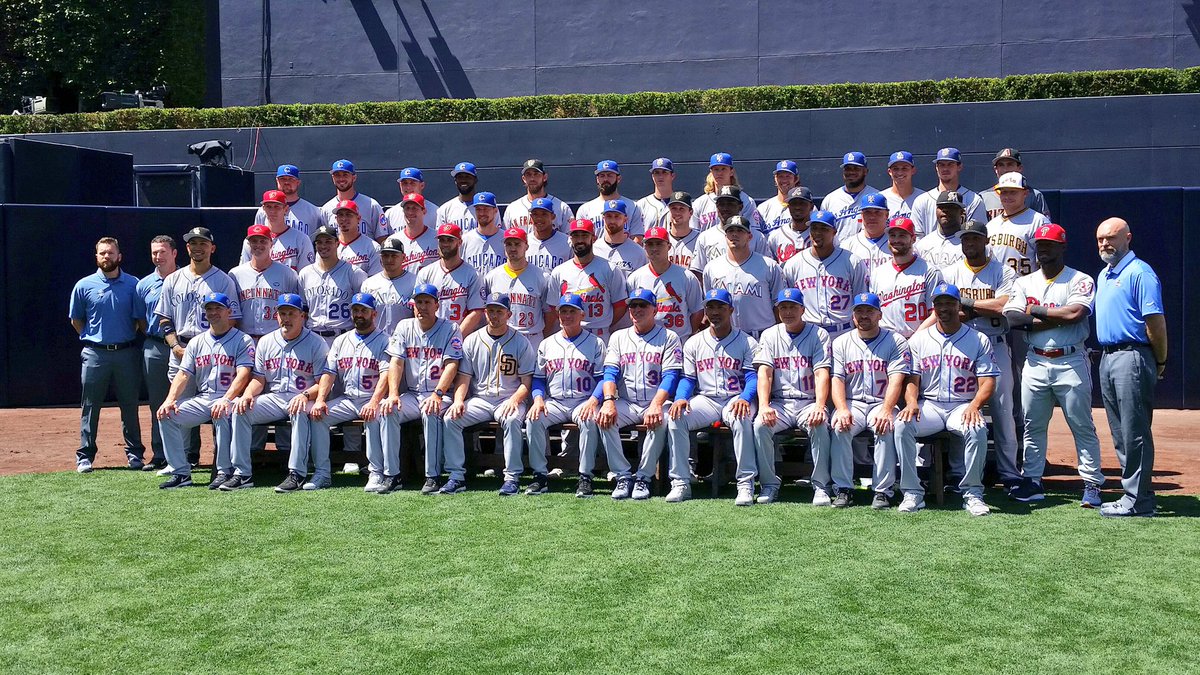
x=181, y=299
x=328, y=295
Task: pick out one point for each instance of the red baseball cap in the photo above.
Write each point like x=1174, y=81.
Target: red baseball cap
x=414, y=198
x=258, y=231
x=346, y=204
x=659, y=233
x=1050, y=232
x=450, y=230
x=905, y=224
x=583, y=225
x=274, y=196
x=516, y=233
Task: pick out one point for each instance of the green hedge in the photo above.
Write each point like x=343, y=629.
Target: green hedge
x=738, y=99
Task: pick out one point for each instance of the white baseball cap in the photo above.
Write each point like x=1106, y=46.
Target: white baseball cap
x=1011, y=180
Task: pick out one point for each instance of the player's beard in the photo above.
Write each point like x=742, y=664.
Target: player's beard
x=581, y=249
x=361, y=324
x=856, y=185
x=607, y=189
x=107, y=266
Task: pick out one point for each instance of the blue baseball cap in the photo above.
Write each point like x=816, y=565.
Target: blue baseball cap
x=946, y=289
x=219, y=298
x=826, y=218
x=287, y=170
x=543, y=203
x=867, y=299
x=854, y=159
x=643, y=295
x=365, y=299
x=463, y=167
x=788, y=166
x=608, y=165
x=571, y=300
x=291, y=300
x=484, y=199
x=900, y=156
x=425, y=289
x=662, y=163
x=875, y=200
x=411, y=172
x=718, y=295
x=720, y=159
x=616, y=206
x=790, y=295
x=498, y=300
x=343, y=165
x=948, y=155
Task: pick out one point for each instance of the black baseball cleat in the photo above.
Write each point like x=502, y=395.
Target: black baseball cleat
x=583, y=488
x=292, y=483
x=176, y=481
x=219, y=480
x=237, y=483
x=430, y=487
x=390, y=484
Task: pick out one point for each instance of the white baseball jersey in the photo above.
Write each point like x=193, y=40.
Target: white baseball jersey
x=939, y=250
x=328, y=295
x=529, y=294
x=359, y=361
x=1011, y=239
x=483, y=253
x=995, y=279
x=626, y=256
x=372, y=224
x=774, y=215
x=600, y=284
x=213, y=361
x=712, y=245
x=900, y=207
x=303, y=216
x=420, y=251
x=572, y=367
x=677, y=292
x=654, y=211
x=949, y=366
x=425, y=353
x=847, y=210
x=683, y=249
x=753, y=285
x=827, y=285
x=546, y=254
x=182, y=294
x=289, y=366
x=905, y=294
x=719, y=364
x=642, y=360
x=866, y=365
x=363, y=253
x=594, y=211
x=497, y=364
x=1070, y=287
x=871, y=253
x=516, y=214
x=258, y=292
x=1034, y=199
x=795, y=359
x=394, y=221
x=460, y=290
x=457, y=212
x=924, y=211
x=393, y=298
x=785, y=242
x=705, y=216
x=290, y=247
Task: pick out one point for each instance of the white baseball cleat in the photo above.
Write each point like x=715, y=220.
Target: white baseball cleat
x=821, y=497
x=745, y=496
x=976, y=506
x=679, y=493
x=911, y=504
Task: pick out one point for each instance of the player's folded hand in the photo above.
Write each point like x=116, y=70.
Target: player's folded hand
x=318, y=410
x=220, y=408
x=740, y=409
x=678, y=408
x=243, y=404
x=369, y=411
x=167, y=409
x=883, y=424
x=297, y=405
x=536, y=410
x=455, y=410
x=843, y=420
x=817, y=417
x=653, y=417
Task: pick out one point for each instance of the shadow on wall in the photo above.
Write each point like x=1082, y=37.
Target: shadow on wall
x=1192, y=10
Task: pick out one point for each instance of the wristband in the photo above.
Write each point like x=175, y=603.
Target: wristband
x=609, y=398
x=1039, y=311
x=969, y=303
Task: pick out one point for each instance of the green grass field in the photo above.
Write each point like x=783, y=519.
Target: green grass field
x=106, y=573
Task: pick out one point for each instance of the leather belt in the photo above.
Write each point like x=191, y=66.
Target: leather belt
x=328, y=333
x=1123, y=346
x=839, y=327
x=1053, y=353
x=108, y=348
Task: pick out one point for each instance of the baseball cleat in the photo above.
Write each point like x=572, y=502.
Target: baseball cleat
x=641, y=489
x=821, y=497
x=976, y=506
x=769, y=494
x=911, y=504
x=1123, y=508
x=374, y=482
x=237, y=483
x=350, y=468
x=166, y=471
x=583, y=489
x=624, y=488
x=745, y=496
x=388, y=485
x=154, y=465
x=509, y=488
x=843, y=499
x=1091, y=496
x=136, y=463
x=539, y=486
x=317, y=484
x=219, y=480
x=880, y=502
x=83, y=466
x=430, y=486
x=679, y=493
x=453, y=487
x=292, y=483
x=177, y=481
x=1028, y=491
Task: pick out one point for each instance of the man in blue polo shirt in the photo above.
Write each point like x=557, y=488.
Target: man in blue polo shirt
x=1132, y=331
x=156, y=355
x=108, y=313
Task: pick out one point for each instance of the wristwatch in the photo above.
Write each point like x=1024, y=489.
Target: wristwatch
x=609, y=398
x=439, y=392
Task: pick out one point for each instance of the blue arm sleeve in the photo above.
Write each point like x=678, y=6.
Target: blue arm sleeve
x=598, y=392
x=670, y=380
x=687, y=387
x=750, y=391
x=539, y=387
x=611, y=373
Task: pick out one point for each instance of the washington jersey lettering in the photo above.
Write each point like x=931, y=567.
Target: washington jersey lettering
x=572, y=367
x=642, y=360
x=213, y=361
x=289, y=366
x=291, y=247
x=1070, y=287
x=328, y=295
x=425, y=353
x=459, y=290
x=420, y=251
x=363, y=253
x=677, y=292
x=258, y=292
x=497, y=364
x=827, y=285
x=359, y=361
x=393, y=298
x=599, y=284
x=181, y=297
x=795, y=359
x=950, y=366
x=719, y=365
x=904, y=293
x=865, y=366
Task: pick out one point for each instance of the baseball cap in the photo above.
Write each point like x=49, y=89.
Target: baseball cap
x=484, y=199
x=868, y=299
x=342, y=165
x=737, y=221
x=681, y=197
x=582, y=225
x=346, y=205
x=535, y=164
x=662, y=163
x=327, y=230
x=1013, y=180
x=719, y=295
x=516, y=233
x=291, y=300
x=1050, y=232
x=217, y=298
x=729, y=192
x=643, y=295
x=615, y=206
x=948, y=155
x=411, y=173
x=900, y=156
x=392, y=245
x=274, y=196
x=658, y=233
x=543, y=203
x=854, y=159
x=449, y=230
x=364, y=299
x=258, y=231
x=1007, y=153
x=950, y=198
x=790, y=295
x=875, y=200
x=287, y=170
x=945, y=289
x=825, y=218
x=571, y=300
x=608, y=165
x=197, y=233
x=903, y=223
x=974, y=227
x=787, y=165
x=498, y=300
x=720, y=159
x=414, y=198
x=799, y=194
x=425, y=289
x=463, y=167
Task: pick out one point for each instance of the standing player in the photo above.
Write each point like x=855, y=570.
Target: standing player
x=942, y=246
x=775, y=212
x=289, y=244
x=751, y=279
x=679, y=227
x=461, y=293
x=459, y=211
x=954, y=372
x=677, y=291
x=344, y=179
x=482, y=250
x=411, y=182
x=353, y=247
x=1011, y=231
x=594, y=279
x=948, y=164
x=1053, y=303
x=654, y=205
x=393, y=287
x=827, y=275
x=1008, y=160
x=788, y=240
x=901, y=196
x=301, y=214
x=843, y=202
x=535, y=178
x=870, y=245
x=718, y=368
x=260, y=281
x=904, y=286
x=793, y=391
x=549, y=247
x=496, y=370
x=608, y=181
x=616, y=246
x=155, y=353
x=722, y=175
x=531, y=299
x=327, y=286
x=711, y=243
x=420, y=239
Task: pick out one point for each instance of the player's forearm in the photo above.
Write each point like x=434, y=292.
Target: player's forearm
x=985, y=387
x=1156, y=331
x=462, y=387
x=912, y=388
x=522, y=391
x=471, y=322
x=395, y=373
x=449, y=375
x=766, y=380
x=895, y=388
x=178, y=385
x=254, y=387
x=325, y=386
x=610, y=389
x=618, y=312
x=837, y=390
x=991, y=306
x=822, y=381
x=239, y=383
x=381, y=390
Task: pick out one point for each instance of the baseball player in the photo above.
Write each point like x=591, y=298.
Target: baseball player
x=954, y=373
x=535, y=178
x=289, y=244
x=870, y=245
x=827, y=275
x=1011, y=231
x=901, y=196
x=616, y=246
x=459, y=211
x=843, y=202
x=942, y=246
x=327, y=286
x=548, y=247
x=792, y=362
x=905, y=285
x=155, y=354
x=595, y=279
x=482, y=250
x=870, y=365
x=775, y=213
x=948, y=164
x=530, y=296
x=751, y=279
x=301, y=214
x=985, y=286
x=393, y=287
x=497, y=371
x=711, y=243
x=654, y=205
x=608, y=181
x=1008, y=160
x=425, y=352
x=353, y=247
x=570, y=368
x=411, y=182
x=788, y=240
x=721, y=174
x=679, y=227
x=260, y=281
x=420, y=240
x=344, y=178
x=218, y=362
x=458, y=283
x=1053, y=303
x=719, y=385
x=283, y=385
x=641, y=370
x=677, y=293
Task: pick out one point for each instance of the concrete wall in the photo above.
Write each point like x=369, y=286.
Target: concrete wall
x=340, y=51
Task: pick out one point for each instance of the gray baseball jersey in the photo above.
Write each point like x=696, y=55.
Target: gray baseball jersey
x=642, y=360
x=425, y=353
x=257, y=293
x=711, y=245
x=393, y=298
x=181, y=297
x=572, y=367
x=594, y=211
x=939, y=250
x=459, y=290
x=291, y=247
x=289, y=366
x=827, y=285
x=949, y=366
x=774, y=215
x=795, y=359
x=654, y=211
x=516, y=214
x=753, y=285
x=599, y=283
x=683, y=249
x=1070, y=287
x=905, y=293
x=358, y=361
x=719, y=364
x=394, y=221
x=459, y=213
x=626, y=256
x=705, y=216
x=847, y=210
x=496, y=364
x=871, y=253
x=548, y=253
x=785, y=242
x=900, y=207
x=1011, y=239
x=865, y=366
x=213, y=361
x=363, y=253
x=678, y=295
x=995, y=279
x=529, y=294
x=372, y=223
x=483, y=253
x=328, y=295
x=420, y=251
x=303, y=216
x=924, y=212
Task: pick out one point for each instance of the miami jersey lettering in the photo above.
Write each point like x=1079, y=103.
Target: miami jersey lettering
x=393, y=298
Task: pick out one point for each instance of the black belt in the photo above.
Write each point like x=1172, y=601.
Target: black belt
x=1123, y=346
x=108, y=348
x=329, y=333
x=1053, y=353
x=837, y=326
